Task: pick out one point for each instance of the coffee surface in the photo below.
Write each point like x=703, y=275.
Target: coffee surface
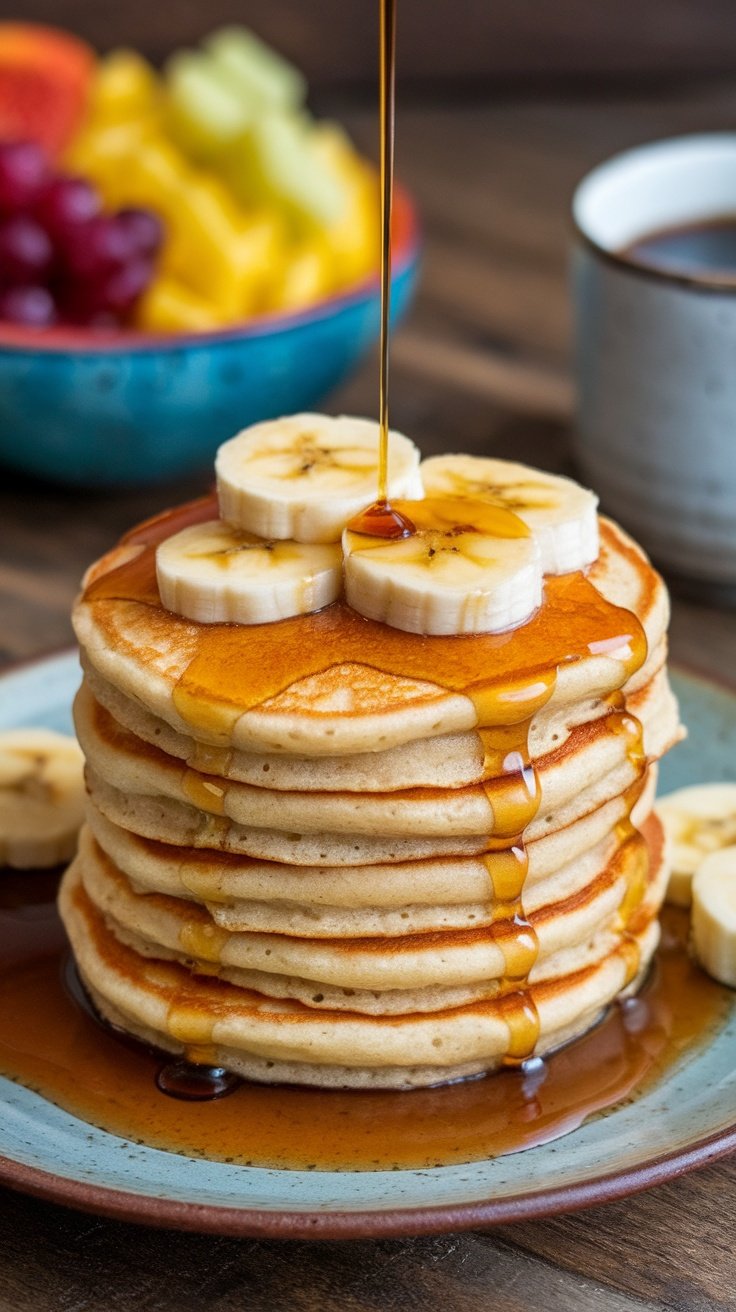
x=704, y=248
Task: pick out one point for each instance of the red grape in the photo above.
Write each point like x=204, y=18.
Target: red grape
x=80, y=299
x=95, y=248
x=145, y=229
x=26, y=253
x=24, y=172
x=32, y=306
x=123, y=288
x=66, y=203
x=53, y=231
x=77, y=304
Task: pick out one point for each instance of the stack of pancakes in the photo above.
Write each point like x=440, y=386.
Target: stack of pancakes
x=320, y=898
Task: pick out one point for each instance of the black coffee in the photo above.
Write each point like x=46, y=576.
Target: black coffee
x=707, y=247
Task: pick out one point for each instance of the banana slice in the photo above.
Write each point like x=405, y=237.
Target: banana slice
x=305, y=476
x=562, y=515
x=714, y=915
x=697, y=820
x=469, y=567
x=217, y=574
x=41, y=797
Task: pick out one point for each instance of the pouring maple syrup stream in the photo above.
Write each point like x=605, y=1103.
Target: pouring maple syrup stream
x=381, y=520
x=387, y=111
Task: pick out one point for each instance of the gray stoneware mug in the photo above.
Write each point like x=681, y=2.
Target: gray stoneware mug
x=656, y=358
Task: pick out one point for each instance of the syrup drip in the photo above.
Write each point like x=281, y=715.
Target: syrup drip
x=506, y=756
x=207, y=759
x=203, y=942
x=623, y=722
x=194, y=1078
x=382, y=520
x=204, y=793
x=192, y=1082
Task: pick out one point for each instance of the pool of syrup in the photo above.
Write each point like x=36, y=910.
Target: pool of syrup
x=50, y=1043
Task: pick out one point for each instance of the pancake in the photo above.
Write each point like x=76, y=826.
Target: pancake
x=191, y=881
x=415, y=961
x=348, y=707
x=165, y=1003
x=179, y=823
x=599, y=752
x=223, y=877
x=446, y=761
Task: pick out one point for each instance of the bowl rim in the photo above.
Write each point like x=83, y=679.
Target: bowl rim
x=67, y=339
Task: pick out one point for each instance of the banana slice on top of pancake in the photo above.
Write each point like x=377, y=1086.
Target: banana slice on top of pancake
x=459, y=566
x=469, y=556
x=214, y=573
x=560, y=513
x=303, y=477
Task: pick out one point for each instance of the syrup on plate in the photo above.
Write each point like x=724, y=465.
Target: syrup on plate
x=52, y=1044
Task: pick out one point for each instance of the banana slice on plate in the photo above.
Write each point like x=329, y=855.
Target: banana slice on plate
x=214, y=573
x=469, y=567
x=562, y=515
x=41, y=797
x=303, y=477
x=697, y=820
x=714, y=915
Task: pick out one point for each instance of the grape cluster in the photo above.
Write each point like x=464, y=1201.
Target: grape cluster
x=62, y=259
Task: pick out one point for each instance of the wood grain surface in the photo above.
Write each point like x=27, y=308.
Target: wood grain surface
x=452, y=40
x=481, y=365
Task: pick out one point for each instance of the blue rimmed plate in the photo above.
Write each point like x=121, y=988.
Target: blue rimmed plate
x=684, y=1120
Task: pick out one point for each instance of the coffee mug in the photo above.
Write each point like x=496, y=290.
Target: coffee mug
x=656, y=357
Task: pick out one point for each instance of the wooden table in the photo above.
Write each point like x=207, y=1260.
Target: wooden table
x=480, y=366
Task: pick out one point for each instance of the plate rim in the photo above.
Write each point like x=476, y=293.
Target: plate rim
x=259, y=1223
x=394, y=1222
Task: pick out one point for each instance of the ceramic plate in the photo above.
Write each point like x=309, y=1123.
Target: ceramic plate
x=683, y=1121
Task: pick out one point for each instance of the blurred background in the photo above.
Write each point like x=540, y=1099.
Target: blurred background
x=441, y=41
x=502, y=108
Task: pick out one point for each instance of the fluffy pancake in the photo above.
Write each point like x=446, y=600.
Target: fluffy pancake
x=192, y=879
x=598, y=752
x=216, y=876
x=411, y=961
x=179, y=823
x=446, y=761
x=144, y=652
x=284, y=1040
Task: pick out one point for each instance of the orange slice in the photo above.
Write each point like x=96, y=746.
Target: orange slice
x=45, y=77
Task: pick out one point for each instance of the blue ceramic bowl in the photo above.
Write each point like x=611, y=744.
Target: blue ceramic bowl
x=126, y=409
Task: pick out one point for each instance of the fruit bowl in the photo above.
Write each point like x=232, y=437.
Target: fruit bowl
x=99, y=408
